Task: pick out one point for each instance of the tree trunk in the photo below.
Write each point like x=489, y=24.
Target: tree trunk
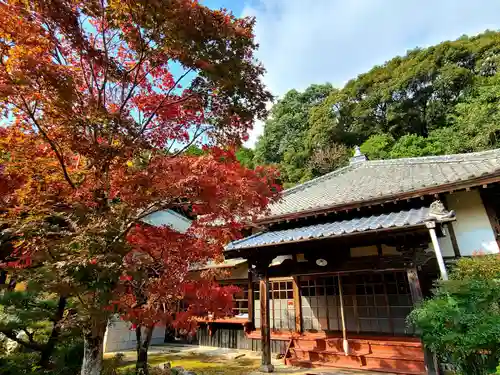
x=93, y=341
x=54, y=335
x=143, y=340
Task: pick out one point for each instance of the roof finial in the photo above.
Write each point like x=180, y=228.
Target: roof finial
x=358, y=155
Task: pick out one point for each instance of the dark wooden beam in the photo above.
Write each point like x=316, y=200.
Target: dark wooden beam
x=414, y=283
x=251, y=309
x=453, y=239
x=450, y=228
x=260, y=266
x=491, y=213
x=431, y=363
x=387, y=304
x=297, y=302
x=265, y=325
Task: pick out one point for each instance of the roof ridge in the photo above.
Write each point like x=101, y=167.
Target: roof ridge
x=232, y=243
x=414, y=160
x=320, y=178
x=478, y=155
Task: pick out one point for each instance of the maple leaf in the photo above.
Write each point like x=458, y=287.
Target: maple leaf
x=94, y=139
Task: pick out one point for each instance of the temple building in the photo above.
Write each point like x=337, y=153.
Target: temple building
x=330, y=274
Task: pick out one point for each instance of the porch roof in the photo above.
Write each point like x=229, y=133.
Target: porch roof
x=393, y=220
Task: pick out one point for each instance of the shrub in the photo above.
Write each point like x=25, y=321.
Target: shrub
x=461, y=322
x=68, y=356
x=19, y=364
x=67, y=360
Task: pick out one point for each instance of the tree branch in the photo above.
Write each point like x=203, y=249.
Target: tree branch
x=167, y=95
x=195, y=137
x=147, y=211
x=51, y=143
x=155, y=111
x=30, y=345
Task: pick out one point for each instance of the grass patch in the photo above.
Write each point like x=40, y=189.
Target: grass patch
x=201, y=364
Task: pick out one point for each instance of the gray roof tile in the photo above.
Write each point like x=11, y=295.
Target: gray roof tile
x=337, y=228
x=368, y=180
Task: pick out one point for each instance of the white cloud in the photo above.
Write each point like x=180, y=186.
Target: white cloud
x=316, y=41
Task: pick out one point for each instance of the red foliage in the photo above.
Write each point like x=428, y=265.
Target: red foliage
x=94, y=139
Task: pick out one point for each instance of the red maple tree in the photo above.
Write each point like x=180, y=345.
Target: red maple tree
x=101, y=100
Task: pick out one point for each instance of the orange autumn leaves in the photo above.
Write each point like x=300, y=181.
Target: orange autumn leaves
x=96, y=124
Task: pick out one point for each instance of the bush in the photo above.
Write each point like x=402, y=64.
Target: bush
x=19, y=364
x=67, y=360
x=68, y=357
x=461, y=322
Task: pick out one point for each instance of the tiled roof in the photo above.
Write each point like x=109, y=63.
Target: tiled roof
x=338, y=228
x=228, y=263
x=364, y=181
x=169, y=218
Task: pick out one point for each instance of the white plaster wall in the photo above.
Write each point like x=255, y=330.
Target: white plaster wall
x=472, y=227
x=445, y=245
x=120, y=336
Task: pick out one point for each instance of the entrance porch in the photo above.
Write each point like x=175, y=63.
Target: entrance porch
x=347, y=320
x=341, y=299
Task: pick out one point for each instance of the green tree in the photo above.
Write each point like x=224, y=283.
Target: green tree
x=283, y=139
x=461, y=322
x=412, y=145
x=378, y=146
x=35, y=320
x=477, y=119
x=246, y=157
x=437, y=100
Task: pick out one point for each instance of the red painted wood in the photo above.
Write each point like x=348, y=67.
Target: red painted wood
x=397, y=355
x=224, y=321
x=385, y=340
x=309, y=364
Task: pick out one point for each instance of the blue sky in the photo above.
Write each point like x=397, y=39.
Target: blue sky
x=316, y=41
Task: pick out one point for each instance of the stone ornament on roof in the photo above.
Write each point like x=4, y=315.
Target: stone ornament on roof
x=358, y=155
x=438, y=212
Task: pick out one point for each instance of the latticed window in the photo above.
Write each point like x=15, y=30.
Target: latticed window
x=281, y=307
x=240, y=300
x=373, y=302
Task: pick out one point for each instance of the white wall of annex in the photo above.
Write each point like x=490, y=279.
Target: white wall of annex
x=472, y=227
x=120, y=336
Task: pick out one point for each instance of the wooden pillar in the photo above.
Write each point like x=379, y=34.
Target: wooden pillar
x=451, y=231
x=453, y=239
x=431, y=225
x=487, y=200
x=345, y=343
x=265, y=328
x=250, y=297
x=414, y=283
x=431, y=362
x=297, y=302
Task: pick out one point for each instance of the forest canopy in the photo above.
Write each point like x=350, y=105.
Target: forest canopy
x=432, y=101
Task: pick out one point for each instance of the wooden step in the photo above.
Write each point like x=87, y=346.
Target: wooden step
x=413, y=350
x=336, y=340
x=383, y=367
x=301, y=353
